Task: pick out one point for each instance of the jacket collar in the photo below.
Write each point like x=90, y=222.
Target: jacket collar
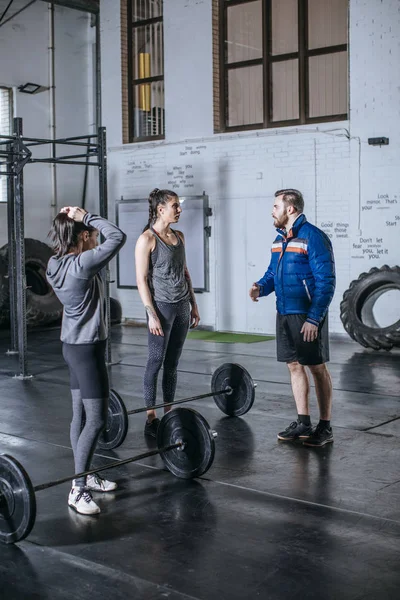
x=301, y=219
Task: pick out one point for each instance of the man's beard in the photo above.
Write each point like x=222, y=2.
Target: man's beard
x=281, y=223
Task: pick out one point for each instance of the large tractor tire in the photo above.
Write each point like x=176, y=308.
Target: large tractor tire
x=42, y=305
x=356, y=308
x=115, y=311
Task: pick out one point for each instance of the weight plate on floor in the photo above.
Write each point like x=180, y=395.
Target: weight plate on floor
x=240, y=400
x=117, y=423
x=197, y=456
x=17, y=501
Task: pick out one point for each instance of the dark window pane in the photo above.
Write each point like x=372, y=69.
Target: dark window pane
x=327, y=23
x=285, y=90
x=328, y=84
x=148, y=111
x=146, y=9
x=245, y=96
x=325, y=81
x=285, y=25
x=147, y=51
x=244, y=32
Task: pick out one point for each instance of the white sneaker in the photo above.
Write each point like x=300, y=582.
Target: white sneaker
x=80, y=499
x=95, y=483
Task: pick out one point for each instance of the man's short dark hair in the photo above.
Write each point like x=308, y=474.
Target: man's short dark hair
x=292, y=198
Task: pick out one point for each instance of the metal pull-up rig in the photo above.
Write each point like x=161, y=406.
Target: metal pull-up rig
x=16, y=150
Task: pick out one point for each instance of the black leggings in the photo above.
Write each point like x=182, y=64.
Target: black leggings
x=166, y=350
x=90, y=391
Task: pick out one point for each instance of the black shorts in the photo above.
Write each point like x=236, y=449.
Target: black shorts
x=87, y=368
x=290, y=346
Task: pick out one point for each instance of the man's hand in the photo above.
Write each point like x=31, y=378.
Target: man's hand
x=194, y=317
x=309, y=331
x=254, y=292
x=74, y=212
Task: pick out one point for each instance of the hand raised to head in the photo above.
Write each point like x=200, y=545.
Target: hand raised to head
x=74, y=212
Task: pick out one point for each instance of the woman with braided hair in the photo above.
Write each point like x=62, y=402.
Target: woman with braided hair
x=166, y=291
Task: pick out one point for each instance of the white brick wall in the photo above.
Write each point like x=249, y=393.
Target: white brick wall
x=375, y=112
x=240, y=172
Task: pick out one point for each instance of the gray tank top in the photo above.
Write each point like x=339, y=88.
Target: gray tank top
x=166, y=277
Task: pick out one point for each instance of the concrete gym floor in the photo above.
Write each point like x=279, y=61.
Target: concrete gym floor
x=269, y=520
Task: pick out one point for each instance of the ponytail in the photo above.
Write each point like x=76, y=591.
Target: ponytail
x=152, y=200
x=64, y=233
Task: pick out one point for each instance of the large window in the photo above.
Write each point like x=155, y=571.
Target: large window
x=282, y=62
x=5, y=129
x=145, y=70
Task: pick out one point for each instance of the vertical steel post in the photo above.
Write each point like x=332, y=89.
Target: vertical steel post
x=20, y=308
x=12, y=279
x=98, y=72
x=103, y=201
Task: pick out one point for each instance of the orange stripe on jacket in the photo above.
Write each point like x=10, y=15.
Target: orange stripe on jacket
x=294, y=249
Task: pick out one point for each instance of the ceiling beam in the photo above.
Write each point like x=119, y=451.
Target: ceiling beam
x=91, y=6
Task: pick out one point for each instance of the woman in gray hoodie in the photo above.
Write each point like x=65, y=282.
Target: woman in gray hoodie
x=74, y=274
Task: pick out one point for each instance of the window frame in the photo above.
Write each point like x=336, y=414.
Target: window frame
x=138, y=81
x=267, y=60
x=3, y=145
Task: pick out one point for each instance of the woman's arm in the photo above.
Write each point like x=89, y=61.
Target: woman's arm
x=144, y=246
x=91, y=262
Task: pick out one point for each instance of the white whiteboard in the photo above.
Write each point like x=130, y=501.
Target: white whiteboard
x=132, y=217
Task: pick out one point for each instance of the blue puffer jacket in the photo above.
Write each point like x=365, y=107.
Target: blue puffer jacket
x=301, y=271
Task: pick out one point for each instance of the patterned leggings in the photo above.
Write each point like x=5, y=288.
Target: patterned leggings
x=166, y=350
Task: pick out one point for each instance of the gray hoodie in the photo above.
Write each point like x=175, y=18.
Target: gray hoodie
x=76, y=281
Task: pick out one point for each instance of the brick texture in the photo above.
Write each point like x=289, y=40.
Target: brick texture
x=216, y=68
x=124, y=71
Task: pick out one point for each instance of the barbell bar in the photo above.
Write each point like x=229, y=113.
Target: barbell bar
x=232, y=387
x=185, y=443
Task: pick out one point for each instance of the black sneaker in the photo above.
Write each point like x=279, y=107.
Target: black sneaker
x=320, y=436
x=150, y=429
x=295, y=431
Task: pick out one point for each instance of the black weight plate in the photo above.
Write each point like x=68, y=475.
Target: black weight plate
x=241, y=399
x=117, y=423
x=187, y=425
x=17, y=501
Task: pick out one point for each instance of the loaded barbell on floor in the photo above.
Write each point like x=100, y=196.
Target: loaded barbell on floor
x=232, y=387
x=185, y=443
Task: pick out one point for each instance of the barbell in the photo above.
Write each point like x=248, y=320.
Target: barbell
x=185, y=443
x=232, y=387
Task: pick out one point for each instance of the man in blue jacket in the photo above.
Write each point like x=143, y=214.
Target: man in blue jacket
x=302, y=275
